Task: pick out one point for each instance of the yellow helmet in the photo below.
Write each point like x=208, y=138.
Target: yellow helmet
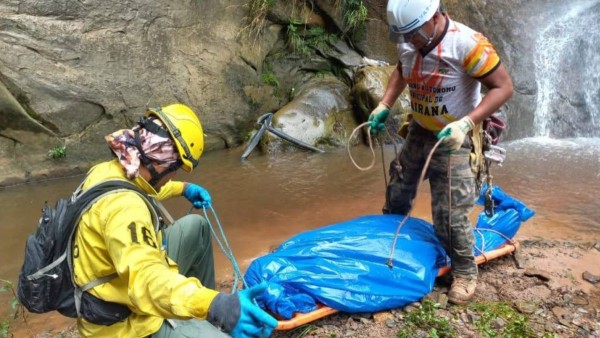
x=185, y=130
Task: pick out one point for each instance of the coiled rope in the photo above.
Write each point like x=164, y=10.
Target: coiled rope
x=372, y=164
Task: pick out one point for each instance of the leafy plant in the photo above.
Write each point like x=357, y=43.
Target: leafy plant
x=301, y=41
x=57, y=152
x=426, y=317
x=270, y=78
x=318, y=37
x=296, y=41
x=14, y=303
x=4, y=326
x=304, y=330
x=516, y=323
x=354, y=14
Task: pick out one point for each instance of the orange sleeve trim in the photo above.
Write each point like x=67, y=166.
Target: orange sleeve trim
x=490, y=64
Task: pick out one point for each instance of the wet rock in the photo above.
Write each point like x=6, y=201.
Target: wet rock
x=498, y=323
x=591, y=278
x=562, y=315
x=580, y=298
x=550, y=327
x=541, y=274
x=350, y=333
x=526, y=307
x=438, y=298
x=409, y=308
x=443, y=301
x=319, y=114
x=381, y=317
x=365, y=321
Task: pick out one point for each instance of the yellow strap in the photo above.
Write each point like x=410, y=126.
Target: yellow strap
x=477, y=152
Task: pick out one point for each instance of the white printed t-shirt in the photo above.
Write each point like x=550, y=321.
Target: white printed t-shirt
x=443, y=83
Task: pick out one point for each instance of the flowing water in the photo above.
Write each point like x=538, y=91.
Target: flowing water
x=566, y=55
x=269, y=198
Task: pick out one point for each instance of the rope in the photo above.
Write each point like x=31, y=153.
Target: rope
x=479, y=230
x=224, y=246
x=407, y=216
x=383, y=164
x=450, y=246
x=370, y=147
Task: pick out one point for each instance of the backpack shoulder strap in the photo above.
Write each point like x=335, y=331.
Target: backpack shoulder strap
x=84, y=201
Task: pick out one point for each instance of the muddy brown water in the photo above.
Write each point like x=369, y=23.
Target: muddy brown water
x=266, y=199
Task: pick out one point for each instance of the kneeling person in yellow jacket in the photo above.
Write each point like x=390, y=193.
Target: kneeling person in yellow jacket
x=164, y=278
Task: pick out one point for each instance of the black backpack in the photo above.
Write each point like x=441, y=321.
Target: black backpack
x=45, y=281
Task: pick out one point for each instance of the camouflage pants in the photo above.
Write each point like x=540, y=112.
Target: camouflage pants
x=452, y=193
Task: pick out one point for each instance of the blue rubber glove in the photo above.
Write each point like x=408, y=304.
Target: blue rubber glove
x=455, y=133
x=197, y=195
x=239, y=316
x=254, y=322
x=378, y=117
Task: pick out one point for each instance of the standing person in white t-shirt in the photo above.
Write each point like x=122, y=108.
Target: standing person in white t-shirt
x=444, y=63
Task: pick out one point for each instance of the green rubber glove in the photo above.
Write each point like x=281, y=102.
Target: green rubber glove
x=378, y=117
x=454, y=133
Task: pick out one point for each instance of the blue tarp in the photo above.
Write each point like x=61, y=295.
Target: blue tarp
x=344, y=265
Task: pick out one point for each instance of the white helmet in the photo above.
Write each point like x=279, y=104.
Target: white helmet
x=407, y=15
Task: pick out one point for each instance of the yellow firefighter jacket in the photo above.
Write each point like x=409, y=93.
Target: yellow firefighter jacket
x=117, y=235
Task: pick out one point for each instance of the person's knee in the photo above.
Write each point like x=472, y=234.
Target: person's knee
x=196, y=228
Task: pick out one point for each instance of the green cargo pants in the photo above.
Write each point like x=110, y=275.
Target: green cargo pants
x=189, y=244
x=453, y=193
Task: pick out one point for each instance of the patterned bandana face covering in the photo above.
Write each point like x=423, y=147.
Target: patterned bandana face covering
x=159, y=149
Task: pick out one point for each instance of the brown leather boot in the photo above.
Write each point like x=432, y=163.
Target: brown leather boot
x=462, y=290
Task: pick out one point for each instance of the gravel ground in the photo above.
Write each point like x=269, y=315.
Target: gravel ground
x=539, y=291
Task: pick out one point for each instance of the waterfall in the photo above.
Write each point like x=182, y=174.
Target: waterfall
x=567, y=68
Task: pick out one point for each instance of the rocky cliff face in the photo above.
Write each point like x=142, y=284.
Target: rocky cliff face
x=76, y=70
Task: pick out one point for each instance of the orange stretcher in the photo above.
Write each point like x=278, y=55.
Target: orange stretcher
x=324, y=311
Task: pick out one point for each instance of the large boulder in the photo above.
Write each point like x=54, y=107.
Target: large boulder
x=320, y=115
x=367, y=92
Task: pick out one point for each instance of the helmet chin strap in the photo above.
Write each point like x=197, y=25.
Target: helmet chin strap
x=432, y=37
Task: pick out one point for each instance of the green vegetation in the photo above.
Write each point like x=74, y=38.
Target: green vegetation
x=6, y=286
x=301, y=41
x=268, y=77
x=296, y=41
x=426, y=318
x=354, y=14
x=303, y=331
x=257, y=15
x=514, y=323
x=57, y=152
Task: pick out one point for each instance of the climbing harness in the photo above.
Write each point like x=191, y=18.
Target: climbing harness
x=265, y=125
x=491, y=154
